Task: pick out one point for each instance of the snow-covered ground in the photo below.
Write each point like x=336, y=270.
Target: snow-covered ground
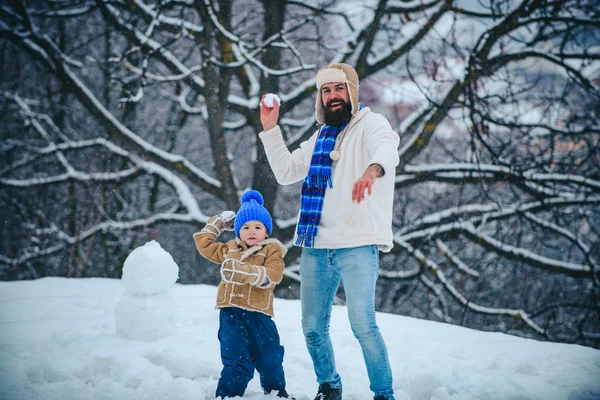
x=58, y=341
x=63, y=339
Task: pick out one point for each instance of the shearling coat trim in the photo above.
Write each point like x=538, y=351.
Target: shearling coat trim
x=259, y=246
x=266, y=255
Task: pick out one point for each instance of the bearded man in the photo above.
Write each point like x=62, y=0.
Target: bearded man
x=340, y=228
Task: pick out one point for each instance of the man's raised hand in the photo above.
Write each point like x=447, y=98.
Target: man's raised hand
x=269, y=115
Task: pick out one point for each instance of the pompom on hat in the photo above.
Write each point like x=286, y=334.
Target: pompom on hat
x=252, y=209
x=338, y=72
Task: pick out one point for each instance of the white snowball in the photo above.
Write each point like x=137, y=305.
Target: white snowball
x=227, y=216
x=145, y=318
x=269, y=98
x=149, y=269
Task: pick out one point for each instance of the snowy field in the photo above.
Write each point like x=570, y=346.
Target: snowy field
x=58, y=342
x=144, y=337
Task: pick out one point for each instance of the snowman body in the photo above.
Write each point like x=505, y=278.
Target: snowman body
x=146, y=310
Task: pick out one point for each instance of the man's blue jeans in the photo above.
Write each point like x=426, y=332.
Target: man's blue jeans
x=321, y=271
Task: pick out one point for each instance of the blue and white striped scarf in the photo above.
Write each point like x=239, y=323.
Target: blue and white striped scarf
x=315, y=184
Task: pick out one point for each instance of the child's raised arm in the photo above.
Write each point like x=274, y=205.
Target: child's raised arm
x=206, y=239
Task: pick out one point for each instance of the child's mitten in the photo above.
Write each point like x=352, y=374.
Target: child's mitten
x=228, y=218
x=219, y=223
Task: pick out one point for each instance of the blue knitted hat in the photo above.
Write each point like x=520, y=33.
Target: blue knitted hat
x=252, y=209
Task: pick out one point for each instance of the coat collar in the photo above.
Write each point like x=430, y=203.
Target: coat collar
x=248, y=251
x=358, y=116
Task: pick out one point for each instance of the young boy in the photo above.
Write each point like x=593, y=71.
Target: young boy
x=251, y=266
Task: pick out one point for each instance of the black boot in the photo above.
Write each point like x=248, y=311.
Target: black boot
x=326, y=392
x=379, y=398
x=283, y=394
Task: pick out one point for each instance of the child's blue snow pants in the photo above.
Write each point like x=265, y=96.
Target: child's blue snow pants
x=249, y=340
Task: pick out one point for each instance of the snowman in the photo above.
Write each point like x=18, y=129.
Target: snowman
x=145, y=312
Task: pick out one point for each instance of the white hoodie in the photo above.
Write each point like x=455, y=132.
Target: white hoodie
x=369, y=140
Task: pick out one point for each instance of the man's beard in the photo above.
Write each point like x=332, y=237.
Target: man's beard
x=339, y=117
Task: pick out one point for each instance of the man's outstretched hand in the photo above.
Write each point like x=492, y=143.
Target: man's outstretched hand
x=268, y=116
x=366, y=182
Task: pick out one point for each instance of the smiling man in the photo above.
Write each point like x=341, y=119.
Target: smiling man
x=347, y=168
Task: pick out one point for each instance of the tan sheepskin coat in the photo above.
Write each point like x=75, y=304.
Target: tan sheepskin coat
x=268, y=253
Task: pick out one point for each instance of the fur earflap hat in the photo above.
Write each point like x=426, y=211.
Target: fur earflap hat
x=252, y=209
x=338, y=72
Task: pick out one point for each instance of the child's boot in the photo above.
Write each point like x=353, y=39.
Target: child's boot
x=283, y=394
